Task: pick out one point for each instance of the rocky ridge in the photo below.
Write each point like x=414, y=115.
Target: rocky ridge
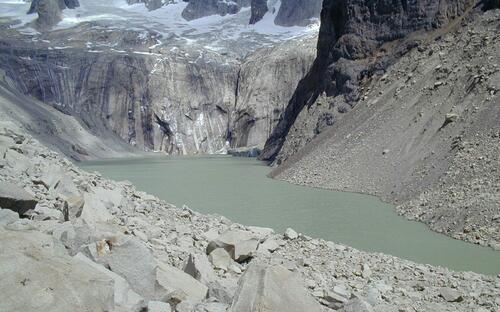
x=423, y=134
x=103, y=245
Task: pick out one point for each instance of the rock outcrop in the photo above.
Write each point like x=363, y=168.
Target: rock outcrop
x=298, y=12
x=49, y=11
x=201, y=8
x=351, y=32
x=177, y=100
x=423, y=133
x=259, y=9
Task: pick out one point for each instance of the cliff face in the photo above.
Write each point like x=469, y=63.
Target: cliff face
x=297, y=12
x=49, y=11
x=201, y=8
x=350, y=49
x=177, y=100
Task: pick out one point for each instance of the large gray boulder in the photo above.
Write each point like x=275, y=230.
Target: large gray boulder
x=239, y=244
x=272, y=289
x=124, y=297
x=198, y=266
x=178, y=285
x=7, y=216
x=38, y=275
x=16, y=198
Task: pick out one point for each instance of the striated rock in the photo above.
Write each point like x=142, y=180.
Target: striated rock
x=272, y=288
x=16, y=198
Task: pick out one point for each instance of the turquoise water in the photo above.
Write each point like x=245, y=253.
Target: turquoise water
x=238, y=188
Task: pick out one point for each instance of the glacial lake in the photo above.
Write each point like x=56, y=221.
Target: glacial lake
x=239, y=189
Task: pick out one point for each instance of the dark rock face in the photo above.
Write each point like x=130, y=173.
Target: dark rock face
x=350, y=33
x=201, y=8
x=297, y=12
x=49, y=11
x=259, y=9
x=150, y=4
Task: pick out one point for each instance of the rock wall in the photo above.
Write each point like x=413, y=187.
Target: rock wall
x=297, y=12
x=424, y=134
x=350, y=34
x=181, y=101
x=201, y=8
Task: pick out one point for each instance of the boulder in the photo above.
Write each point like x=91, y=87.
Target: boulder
x=290, y=234
x=99, y=203
x=7, y=217
x=38, y=275
x=356, y=305
x=74, y=236
x=198, y=266
x=272, y=288
x=158, y=306
x=220, y=259
x=239, y=244
x=124, y=297
x=16, y=198
x=179, y=285
x=450, y=295
x=128, y=257
x=74, y=206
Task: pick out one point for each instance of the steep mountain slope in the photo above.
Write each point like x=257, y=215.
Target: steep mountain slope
x=424, y=133
x=58, y=131
x=180, y=98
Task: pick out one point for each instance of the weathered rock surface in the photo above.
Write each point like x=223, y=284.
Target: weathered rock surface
x=259, y=9
x=16, y=198
x=37, y=275
x=201, y=8
x=397, y=144
x=274, y=288
x=49, y=11
x=298, y=12
x=127, y=90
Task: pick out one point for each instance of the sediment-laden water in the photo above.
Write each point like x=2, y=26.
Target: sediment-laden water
x=238, y=189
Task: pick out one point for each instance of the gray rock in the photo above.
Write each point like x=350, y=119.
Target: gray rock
x=239, y=244
x=178, y=285
x=220, y=259
x=198, y=266
x=259, y=9
x=158, y=306
x=7, y=217
x=356, y=305
x=16, y=198
x=450, y=295
x=298, y=12
x=201, y=8
x=37, y=275
x=290, y=234
x=272, y=288
x=124, y=297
